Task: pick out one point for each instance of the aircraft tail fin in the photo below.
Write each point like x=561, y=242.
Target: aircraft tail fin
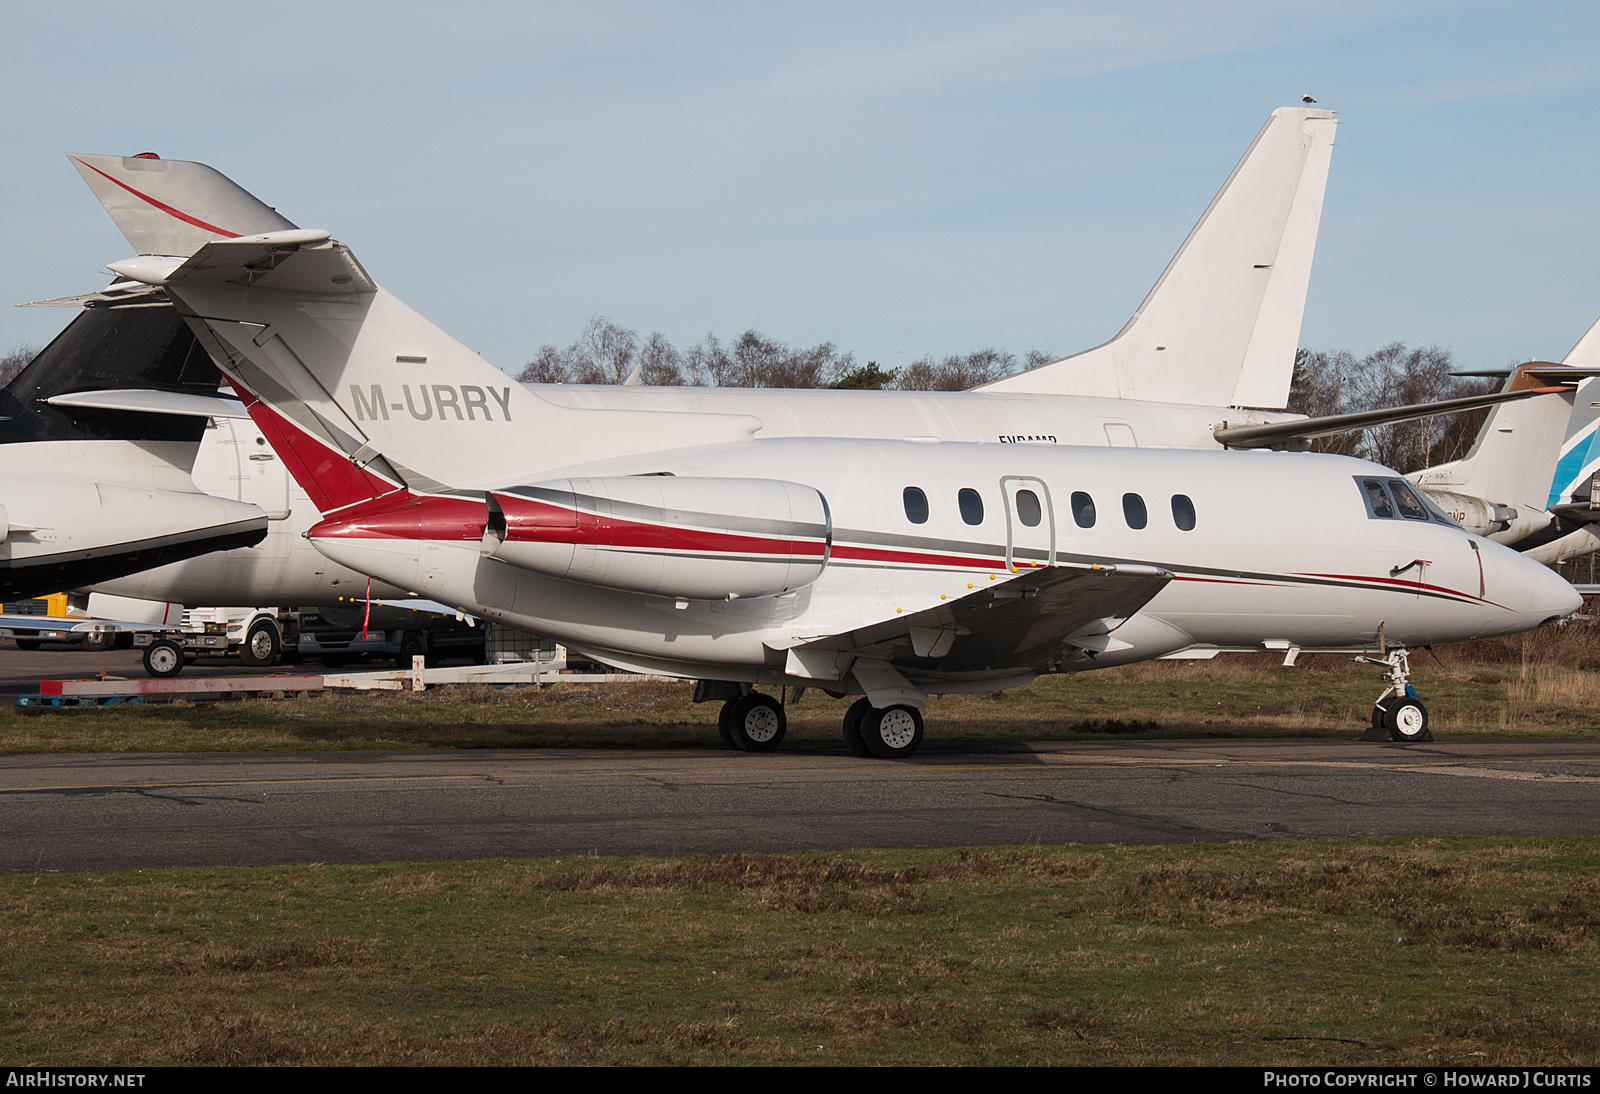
x=1221, y=325
x=173, y=207
x=1514, y=456
x=363, y=397
x=1580, y=454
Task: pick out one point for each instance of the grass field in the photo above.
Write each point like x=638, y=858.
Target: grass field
x=1462, y=951
x=1511, y=688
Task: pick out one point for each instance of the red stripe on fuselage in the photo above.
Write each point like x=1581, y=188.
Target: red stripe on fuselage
x=539, y=522
x=163, y=206
x=404, y=515
x=1397, y=585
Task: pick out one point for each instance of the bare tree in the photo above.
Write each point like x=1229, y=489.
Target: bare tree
x=661, y=361
x=1391, y=375
x=549, y=366
x=15, y=361
x=956, y=373
x=604, y=353
x=709, y=363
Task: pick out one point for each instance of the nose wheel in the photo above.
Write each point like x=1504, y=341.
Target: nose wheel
x=1398, y=714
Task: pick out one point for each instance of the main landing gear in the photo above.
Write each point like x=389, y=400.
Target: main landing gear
x=1398, y=712
x=756, y=723
x=752, y=723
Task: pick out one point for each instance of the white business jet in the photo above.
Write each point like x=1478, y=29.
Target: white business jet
x=685, y=542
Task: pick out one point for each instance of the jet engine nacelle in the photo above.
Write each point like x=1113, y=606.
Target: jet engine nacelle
x=1476, y=515
x=689, y=538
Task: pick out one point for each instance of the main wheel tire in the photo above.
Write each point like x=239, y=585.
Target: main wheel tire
x=757, y=723
x=28, y=644
x=262, y=644
x=722, y=722
x=852, y=727
x=1407, y=720
x=892, y=733
x=1380, y=713
x=163, y=658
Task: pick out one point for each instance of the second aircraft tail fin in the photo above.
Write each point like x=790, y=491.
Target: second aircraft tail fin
x=1221, y=326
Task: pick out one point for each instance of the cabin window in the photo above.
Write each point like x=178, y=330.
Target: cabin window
x=1029, y=511
x=1377, y=499
x=971, y=506
x=1410, y=507
x=1183, y=512
x=916, y=503
x=1082, y=509
x=1133, y=510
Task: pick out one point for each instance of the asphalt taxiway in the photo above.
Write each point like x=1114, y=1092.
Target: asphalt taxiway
x=81, y=812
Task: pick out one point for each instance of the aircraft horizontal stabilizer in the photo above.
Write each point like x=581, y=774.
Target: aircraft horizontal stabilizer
x=151, y=401
x=1288, y=434
x=119, y=293
x=1024, y=622
x=302, y=260
x=173, y=207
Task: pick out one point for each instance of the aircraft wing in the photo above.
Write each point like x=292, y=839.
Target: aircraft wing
x=1023, y=623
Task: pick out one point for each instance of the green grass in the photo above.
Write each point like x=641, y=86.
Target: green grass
x=1461, y=951
x=1232, y=696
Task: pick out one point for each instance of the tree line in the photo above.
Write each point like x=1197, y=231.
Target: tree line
x=607, y=353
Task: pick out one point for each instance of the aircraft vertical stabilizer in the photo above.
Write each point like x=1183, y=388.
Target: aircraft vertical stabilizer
x=1512, y=459
x=173, y=207
x=361, y=395
x=1221, y=326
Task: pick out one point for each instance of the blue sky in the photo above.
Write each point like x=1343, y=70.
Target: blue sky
x=899, y=179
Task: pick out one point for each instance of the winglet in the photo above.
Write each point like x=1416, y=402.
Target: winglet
x=173, y=207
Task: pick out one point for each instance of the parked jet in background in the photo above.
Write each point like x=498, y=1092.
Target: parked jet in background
x=1574, y=500
x=687, y=542
x=97, y=437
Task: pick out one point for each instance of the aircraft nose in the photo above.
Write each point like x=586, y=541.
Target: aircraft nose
x=1541, y=595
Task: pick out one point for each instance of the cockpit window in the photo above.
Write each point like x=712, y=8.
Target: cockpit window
x=1391, y=499
x=1410, y=507
x=1377, y=499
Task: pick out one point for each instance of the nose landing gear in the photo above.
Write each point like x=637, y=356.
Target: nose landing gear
x=1398, y=714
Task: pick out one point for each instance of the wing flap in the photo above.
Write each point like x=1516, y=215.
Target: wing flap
x=1023, y=623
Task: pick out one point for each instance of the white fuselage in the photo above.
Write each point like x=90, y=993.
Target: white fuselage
x=1282, y=553
x=976, y=416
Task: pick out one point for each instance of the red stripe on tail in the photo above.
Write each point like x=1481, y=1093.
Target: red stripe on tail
x=163, y=206
x=327, y=476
